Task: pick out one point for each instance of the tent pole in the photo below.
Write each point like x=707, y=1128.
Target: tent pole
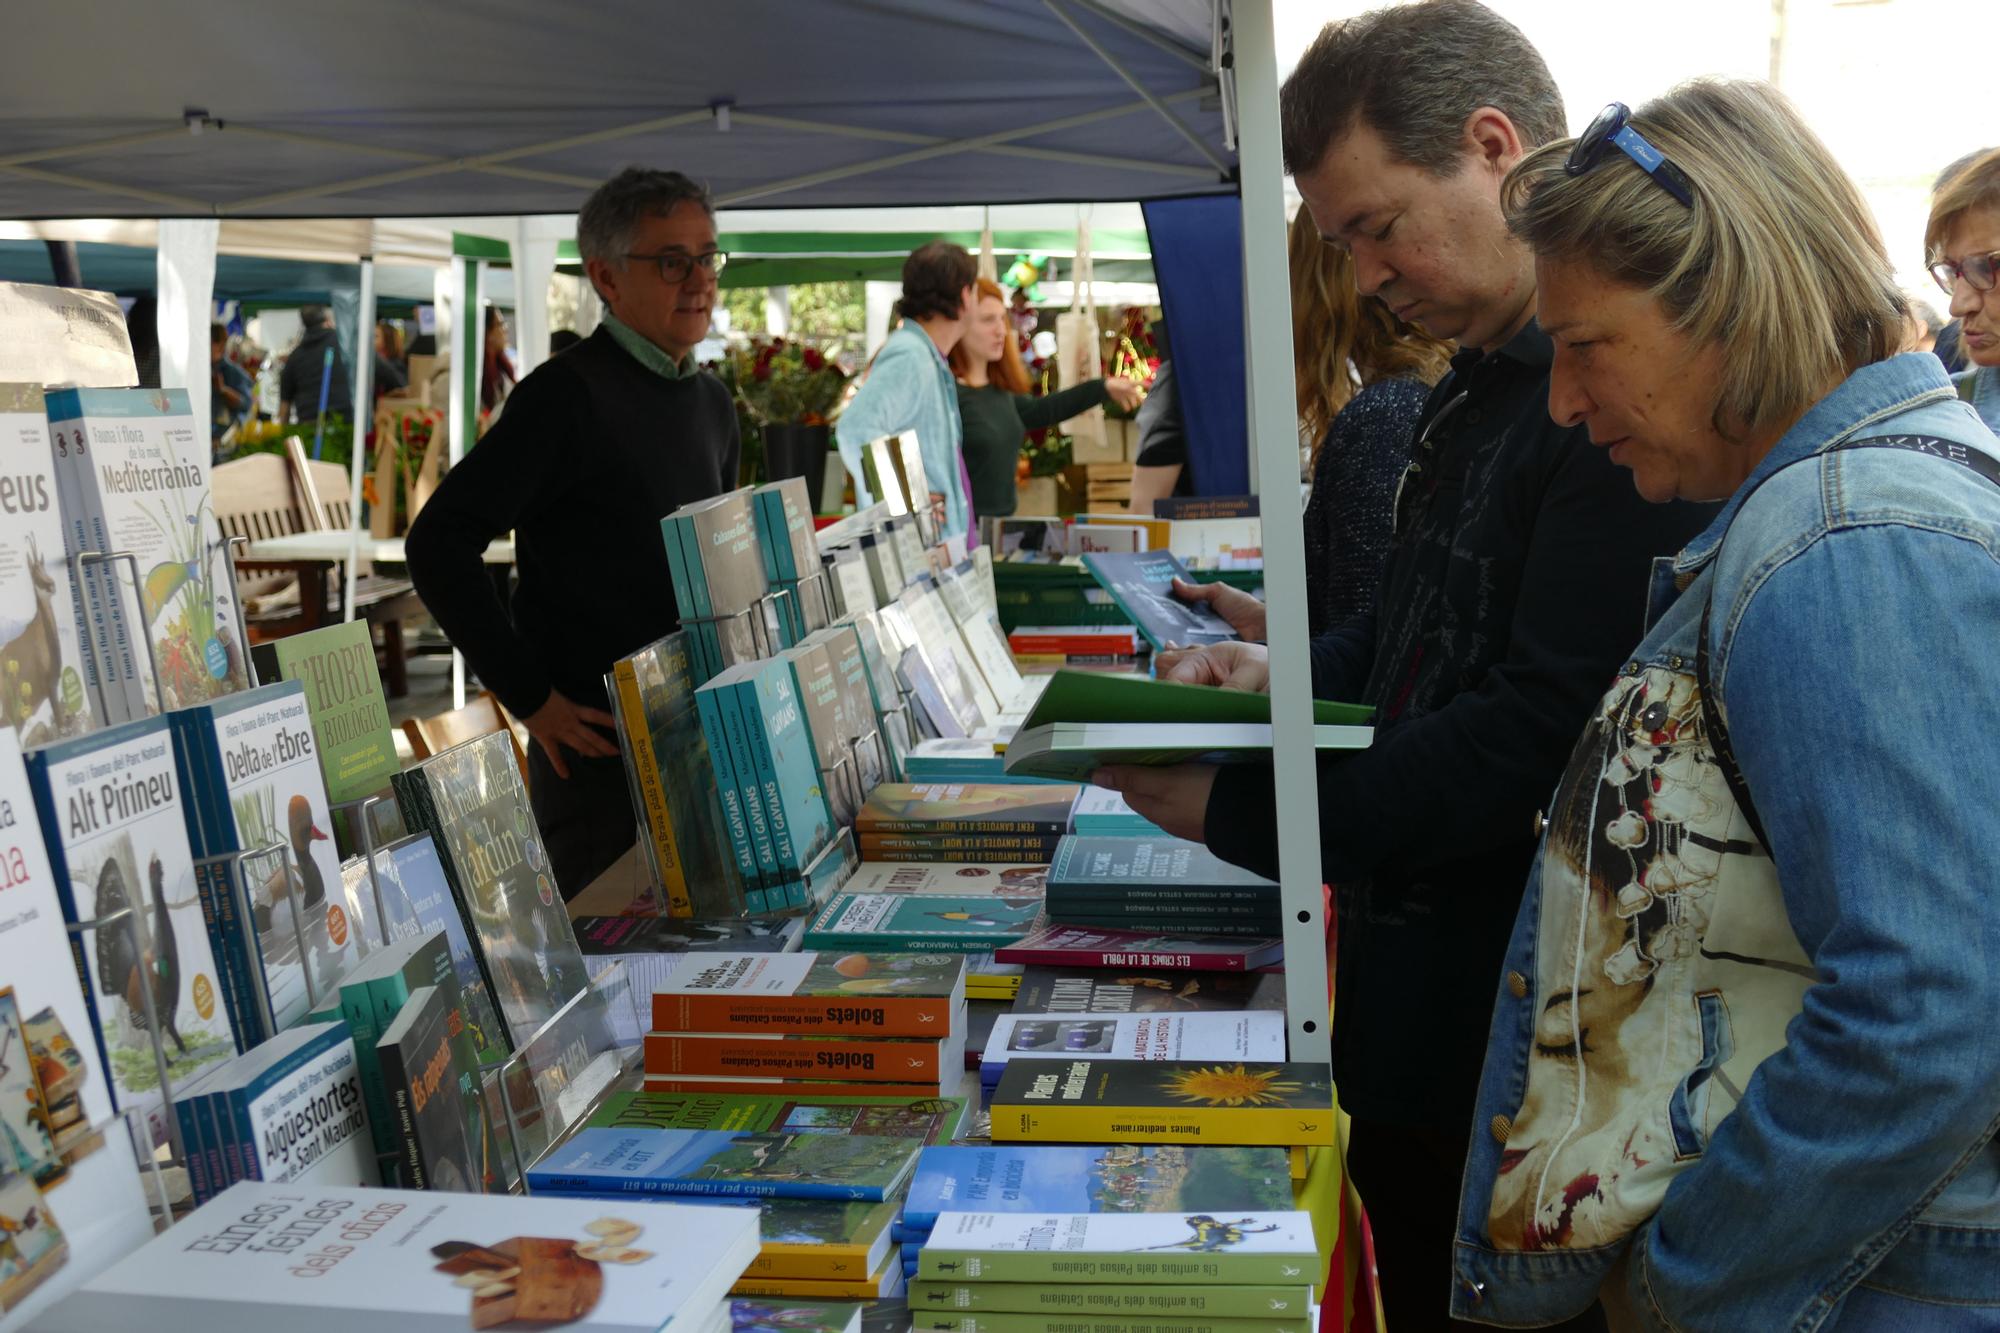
x=1267, y=330
x=467, y=360
x=364, y=415
x=1166, y=113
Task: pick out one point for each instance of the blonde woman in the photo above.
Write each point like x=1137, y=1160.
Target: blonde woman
x=1743, y=1071
x=1361, y=378
x=1963, y=241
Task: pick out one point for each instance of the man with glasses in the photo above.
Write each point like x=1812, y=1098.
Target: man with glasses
x=1515, y=587
x=595, y=447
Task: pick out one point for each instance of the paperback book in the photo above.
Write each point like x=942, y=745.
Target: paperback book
x=855, y=716
x=719, y=580
x=426, y=1085
x=266, y=1256
x=883, y=995
x=883, y=1283
x=1143, y=1248
x=419, y=903
x=51, y=689
x=1122, y=1179
x=1121, y=1321
x=1187, y=1101
x=1141, y=583
x=473, y=802
x=633, y=936
x=1067, y=1304
x=1045, y=990
x=752, y=1314
x=822, y=1239
x=960, y=809
x=932, y=1061
x=112, y=804
x=1089, y=946
x=819, y=699
x=1016, y=885
x=350, y=717
x=1086, y=696
x=785, y=538
x=924, y=1119
x=1251, y=1035
x=850, y=1167
x=1073, y=751
x=934, y=923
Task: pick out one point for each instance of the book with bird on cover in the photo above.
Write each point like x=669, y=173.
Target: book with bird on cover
x=111, y=808
x=473, y=802
x=250, y=764
x=144, y=484
x=48, y=688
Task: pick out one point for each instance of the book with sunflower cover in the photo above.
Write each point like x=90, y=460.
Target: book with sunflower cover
x=1182, y=1101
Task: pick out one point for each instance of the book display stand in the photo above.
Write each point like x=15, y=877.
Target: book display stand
x=557, y=1077
x=108, y=671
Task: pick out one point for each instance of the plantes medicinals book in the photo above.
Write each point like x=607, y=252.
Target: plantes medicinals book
x=84, y=1186
x=112, y=803
x=146, y=490
x=265, y=1256
x=48, y=688
x=1196, y=1248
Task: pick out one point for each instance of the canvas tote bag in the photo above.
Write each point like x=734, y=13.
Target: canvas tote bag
x=1077, y=360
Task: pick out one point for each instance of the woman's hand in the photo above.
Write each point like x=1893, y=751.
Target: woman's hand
x=1175, y=798
x=1238, y=609
x=1123, y=393
x=1229, y=666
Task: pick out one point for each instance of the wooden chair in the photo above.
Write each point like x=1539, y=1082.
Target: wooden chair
x=481, y=716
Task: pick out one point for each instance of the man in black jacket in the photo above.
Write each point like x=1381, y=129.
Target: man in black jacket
x=1515, y=587
x=594, y=449
x=315, y=364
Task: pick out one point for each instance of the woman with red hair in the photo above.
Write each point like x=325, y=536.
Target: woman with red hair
x=995, y=406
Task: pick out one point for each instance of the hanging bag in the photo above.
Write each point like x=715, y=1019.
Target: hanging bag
x=1077, y=357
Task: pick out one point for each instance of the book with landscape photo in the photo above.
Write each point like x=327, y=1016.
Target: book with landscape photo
x=265, y=1256
x=886, y=995
x=1007, y=1178
x=852, y=1167
x=1094, y=1100
x=934, y=923
x=49, y=690
x=1194, y=1248
x=472, y=800
x=925, y=1119
x=946, y=809
x=1256, y=1034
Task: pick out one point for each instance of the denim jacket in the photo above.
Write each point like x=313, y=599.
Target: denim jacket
x=1769, y=1082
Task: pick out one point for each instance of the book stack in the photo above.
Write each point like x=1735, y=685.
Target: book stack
x=1083, y=946
x=954, y=821
x=1251, y=1035
x=986, y=978
x=1184, y=1269
x=251, y=1258
x=823, y=1250
x=810, y=1023
x=920, y=1119
x=1020, y=1178
x=1159, y=882
x=1081, y=647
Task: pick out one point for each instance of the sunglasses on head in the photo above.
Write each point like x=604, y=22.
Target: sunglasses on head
x=1612, y=129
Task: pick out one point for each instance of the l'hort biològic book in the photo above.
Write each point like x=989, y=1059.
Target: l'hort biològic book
x=270, y=1256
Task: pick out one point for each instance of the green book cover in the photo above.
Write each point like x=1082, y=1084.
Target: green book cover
x=350, y=719
x=1169, y=1249
x=730, y=797
x=722, y=534
x=781, y=741
x=820, y=698
x=922, y=923
x=743, y=763
x=931, y=1120
x=664, y=674
x=1072, y=751
x=1258, y=1301
x=1095, y=696
x=402, y=967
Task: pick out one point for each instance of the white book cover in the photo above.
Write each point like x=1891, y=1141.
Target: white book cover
x=982, y=637
x=1257, y=1034
x=111, y=804
x=925, y=627
x=306, y=1118
x=45, y=692
x=269, y=1256
x=277, y=795
x=90, y=1190
x=148, y=466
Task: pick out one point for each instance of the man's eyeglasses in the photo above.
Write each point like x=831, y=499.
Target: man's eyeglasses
x=675, y=265
x=1979, y=272
x=1612, y=129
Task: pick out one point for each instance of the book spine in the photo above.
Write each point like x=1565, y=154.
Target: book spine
x=1221, y=1275
x=1261, y=928
x=233, y=1113
x=817, y=1289
x=403, y=1118
x=1016, y=1121
x=219, y=1150
x=192, y=1149
x=124, y=616
x=896, y=942
x=793, y=1089
x=744, y=764
x=755, y=730
x=886, y=1016
x=211, y=892
x=891, y=1060
x=642, y=766
x=45, y=812
x=813, y=1263
x=735, y=815
x=993, y=842
x=1035, y=954
x=555, y=1183
x=871, y=823
x=1151, y=900
x=939, y=1321
x=1058, y=1293
x=357, y=1007
x=82, y=604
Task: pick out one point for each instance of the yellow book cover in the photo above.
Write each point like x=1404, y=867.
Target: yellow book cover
x=823, y=1240
x=1179, y=1101
x=642, y=760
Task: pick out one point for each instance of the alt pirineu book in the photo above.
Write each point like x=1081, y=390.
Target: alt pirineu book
x=1182, y=1101
x=473, y=802
x=48, y=689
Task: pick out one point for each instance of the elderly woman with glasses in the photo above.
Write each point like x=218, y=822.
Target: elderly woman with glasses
x=1743, y=1071
x=1964, y=243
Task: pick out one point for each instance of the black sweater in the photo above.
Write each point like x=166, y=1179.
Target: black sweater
x=996, y=422
x=592, y=451
x=1515, y=588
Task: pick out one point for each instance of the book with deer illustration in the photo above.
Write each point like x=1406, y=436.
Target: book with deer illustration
x=48, y=688
x=350, y=718
x=1194, y=1248
x=851, y=1167
x=1009, y=1178
x=784, y=519
x=923, y=1119
x=144, y=485
x=471, y=799
x=250, y=765
x=67, y=1173
x=417, y=901
x=112, y=809
x=261, y=1255
x=1100, y=1100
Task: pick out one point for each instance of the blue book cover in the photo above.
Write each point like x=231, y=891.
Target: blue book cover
x=1094, y=866
x=418, y=902
x=741, y=696
x=1114, y=1178
x=1141, y=583
x=690, y=594
x=773, y=546
x=783, y=742
x=860, y=1167
x=735, y=817
x=736, y=731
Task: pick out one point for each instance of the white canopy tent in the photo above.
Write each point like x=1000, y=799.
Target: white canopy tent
x=459, y=108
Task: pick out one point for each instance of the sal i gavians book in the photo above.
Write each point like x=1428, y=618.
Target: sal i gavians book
x=330, y=1260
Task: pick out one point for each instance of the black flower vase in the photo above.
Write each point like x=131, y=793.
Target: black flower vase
x=798, y=451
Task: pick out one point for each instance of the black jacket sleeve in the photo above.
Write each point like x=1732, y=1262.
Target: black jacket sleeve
x=1342, y=658
x=526, y=463
x=1470, y=775
x=1060, y=405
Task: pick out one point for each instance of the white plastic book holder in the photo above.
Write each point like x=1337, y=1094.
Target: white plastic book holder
x=556, y=1078
x=107, y=671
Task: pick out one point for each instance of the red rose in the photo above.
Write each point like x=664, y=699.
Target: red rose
x=813, y=360
x=762, y=372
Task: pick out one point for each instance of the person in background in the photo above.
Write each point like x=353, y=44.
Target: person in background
x=1963, y=244
x=1925, y=326
x=595, y=447
x=1517, y=579
x=496, y=378
x=142, y=325
x=1743, y=1071
x=995, y=407
x=1160, y=463
x=562, y=340
x=1361, y=378
x=910, y=387
x=231, y=391
x=391, y=364
x=315, y=362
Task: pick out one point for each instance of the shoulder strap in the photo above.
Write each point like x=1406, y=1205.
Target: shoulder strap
x=1711, y=711
x=1964, y=386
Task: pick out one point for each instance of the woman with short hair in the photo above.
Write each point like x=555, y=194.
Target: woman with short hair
x=1743, y=1070
x=1962, y=243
